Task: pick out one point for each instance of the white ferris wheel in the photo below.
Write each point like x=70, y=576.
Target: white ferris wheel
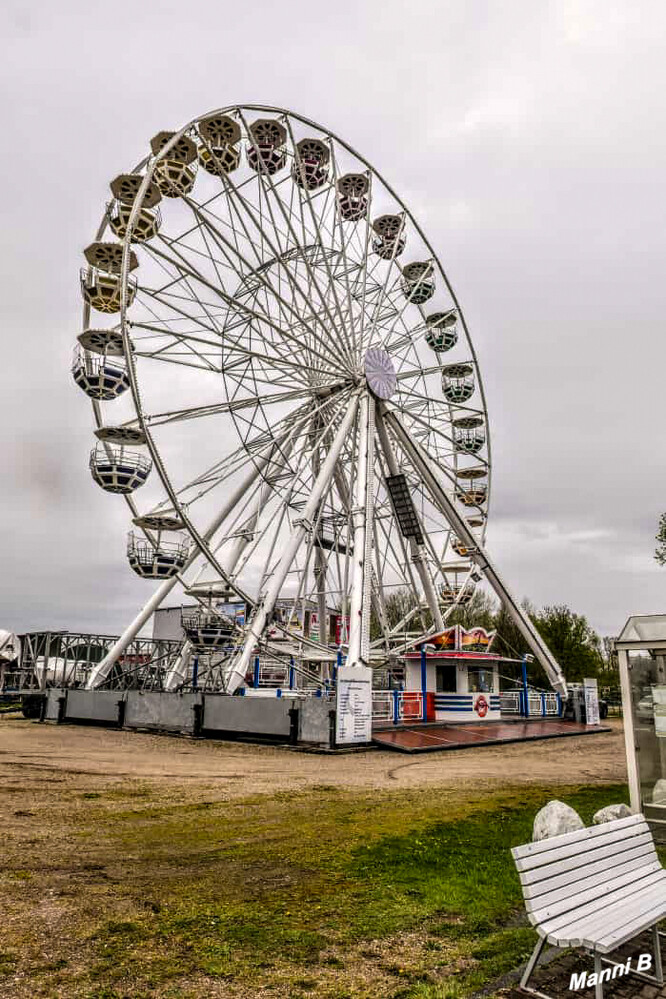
x=286, y=394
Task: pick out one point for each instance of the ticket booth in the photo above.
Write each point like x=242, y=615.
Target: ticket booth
x=457, y=675
x=641, y=650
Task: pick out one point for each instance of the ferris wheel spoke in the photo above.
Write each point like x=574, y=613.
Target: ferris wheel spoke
x=215, y=409
x=269, y=186
x=280, y=256
x=233, y=302
x=322, y=242
x=258, y=273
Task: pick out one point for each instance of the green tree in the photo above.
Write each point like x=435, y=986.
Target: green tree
x=660, y=536
x=573, y=642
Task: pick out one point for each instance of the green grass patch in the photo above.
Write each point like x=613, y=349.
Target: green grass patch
x=404, y=895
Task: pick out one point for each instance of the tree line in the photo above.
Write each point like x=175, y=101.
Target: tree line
x=580, y=651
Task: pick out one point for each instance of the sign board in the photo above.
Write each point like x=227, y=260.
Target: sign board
x=591, y=702
x=353, y=705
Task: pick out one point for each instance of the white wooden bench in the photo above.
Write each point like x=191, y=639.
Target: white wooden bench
x=595, y=888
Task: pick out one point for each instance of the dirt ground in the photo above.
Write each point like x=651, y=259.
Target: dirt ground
x=136, y=865
x=87, y=758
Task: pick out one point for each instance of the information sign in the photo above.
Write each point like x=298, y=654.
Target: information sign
x=353, y=705
x=591, y=702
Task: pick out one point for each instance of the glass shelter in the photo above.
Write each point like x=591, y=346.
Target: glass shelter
x=641, y=650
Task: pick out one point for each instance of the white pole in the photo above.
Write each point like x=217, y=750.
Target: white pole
x=359, y=522
x=264, y=610
x=629, y=736
x=103, y=668
x=416, y=550
x=425, y=465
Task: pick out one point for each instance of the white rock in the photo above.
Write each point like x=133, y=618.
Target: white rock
x=610, y=813
x=659, y=793
x=554, y=819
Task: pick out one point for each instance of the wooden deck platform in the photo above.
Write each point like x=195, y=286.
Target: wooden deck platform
x=426, y=738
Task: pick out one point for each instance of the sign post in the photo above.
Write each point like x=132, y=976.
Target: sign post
x=353, y=705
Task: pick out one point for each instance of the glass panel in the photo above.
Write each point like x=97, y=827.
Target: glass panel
x=648, y=701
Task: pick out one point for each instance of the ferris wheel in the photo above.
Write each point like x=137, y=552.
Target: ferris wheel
x=286, y=394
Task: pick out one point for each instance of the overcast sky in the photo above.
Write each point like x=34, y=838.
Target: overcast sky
x=529, y=139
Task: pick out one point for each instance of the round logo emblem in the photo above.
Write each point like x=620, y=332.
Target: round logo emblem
x=481, y=706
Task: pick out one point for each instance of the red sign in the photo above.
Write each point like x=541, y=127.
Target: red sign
x=481, y=706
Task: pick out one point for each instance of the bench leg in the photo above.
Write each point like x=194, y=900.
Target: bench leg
x=599, y=987
x=529, y=970
x=658, y=969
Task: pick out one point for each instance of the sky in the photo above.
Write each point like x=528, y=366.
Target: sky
x=529, y=140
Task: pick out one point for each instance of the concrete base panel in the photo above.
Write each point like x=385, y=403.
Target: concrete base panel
x=313, y=721
x=53, y=695
x=161, y=711
x=261, y=716
x=93, y=706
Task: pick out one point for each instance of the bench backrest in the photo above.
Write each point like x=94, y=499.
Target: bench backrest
x=564, y=872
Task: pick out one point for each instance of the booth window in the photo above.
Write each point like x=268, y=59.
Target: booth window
x=446, y=678
x=480, y=681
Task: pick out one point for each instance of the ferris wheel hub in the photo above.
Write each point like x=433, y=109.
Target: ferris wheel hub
x=380, y=373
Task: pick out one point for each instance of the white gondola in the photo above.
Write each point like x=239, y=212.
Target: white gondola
x=219, y=160
x=471, y=489
x=206, y=630
x=125, y=188
x=441, y=334
x=118, y=470
x=174, y=178
x=108, y=257
x=418, y=281
x=352, y=194
x=310, y=166
x=266, y=150
x=458, y=382
x=469, y=434
x=389, y=240
x=146, y=225
x=103, y=291
x=161, y=560
x=132, y=436
x=100, y=377
x=108, y=342
x=160, y=521
x=175, y=174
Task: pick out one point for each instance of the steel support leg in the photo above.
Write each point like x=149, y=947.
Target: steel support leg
x=427, y=468
x=238, y=668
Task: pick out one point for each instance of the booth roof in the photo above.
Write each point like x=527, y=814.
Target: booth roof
x=643, y=631
x=449, y=654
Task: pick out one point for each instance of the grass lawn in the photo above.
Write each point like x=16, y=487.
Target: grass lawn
x=332, y=893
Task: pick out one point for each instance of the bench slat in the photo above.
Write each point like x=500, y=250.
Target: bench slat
x=566, y=902
x=581, y=864
x=551, y=889
x=580, y=835
x=563, y=851
x=618, y=937
x=634, y=920
x=603, y=909
x=627, y=912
